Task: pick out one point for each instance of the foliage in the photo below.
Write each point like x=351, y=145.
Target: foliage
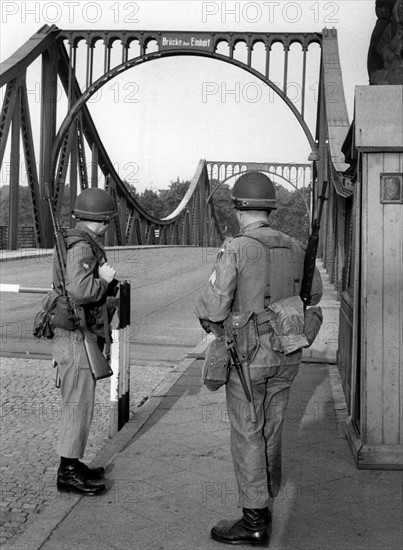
x=25, y=211
x=291, y=217
x=132, y=190
x=224, y=210
x=162, y=203
x=152, y=203
x=172, y=197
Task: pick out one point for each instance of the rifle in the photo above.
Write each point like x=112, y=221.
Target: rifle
x=243, y=373
x=97, y=362
x=311, y=252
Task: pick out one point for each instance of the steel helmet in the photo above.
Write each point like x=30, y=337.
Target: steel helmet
x=94, y=204
x=254, y=191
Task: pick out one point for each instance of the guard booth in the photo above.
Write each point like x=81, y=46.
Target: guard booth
x=371, y=318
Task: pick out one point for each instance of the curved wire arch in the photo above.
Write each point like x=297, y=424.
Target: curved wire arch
x=91, y=90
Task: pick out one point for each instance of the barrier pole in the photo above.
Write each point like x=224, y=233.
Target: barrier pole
x=22, y=289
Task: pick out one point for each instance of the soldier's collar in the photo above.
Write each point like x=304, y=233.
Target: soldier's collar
x=253, y=225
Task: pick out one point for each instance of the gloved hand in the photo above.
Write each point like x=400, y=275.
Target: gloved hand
x=206, y=325
x=209, y=326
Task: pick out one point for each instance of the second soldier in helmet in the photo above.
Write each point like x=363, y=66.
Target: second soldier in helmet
x=256, y=268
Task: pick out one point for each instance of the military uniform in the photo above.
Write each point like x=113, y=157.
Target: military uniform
x=81, y=277
x=77, y=385
x=252, y=270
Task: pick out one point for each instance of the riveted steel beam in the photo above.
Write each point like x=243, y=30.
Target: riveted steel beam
x=30, y=165
x=6, y=116
x=14, y=174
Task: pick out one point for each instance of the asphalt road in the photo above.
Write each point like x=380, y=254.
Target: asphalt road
x=165, y=283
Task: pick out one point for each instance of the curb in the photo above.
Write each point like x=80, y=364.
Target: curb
x=29, y=253
x=39, y=529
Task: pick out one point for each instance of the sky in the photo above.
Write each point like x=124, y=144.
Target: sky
x=159, y=119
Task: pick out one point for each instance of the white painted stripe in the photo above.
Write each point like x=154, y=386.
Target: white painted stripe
x=9, y=288
x=115, y=356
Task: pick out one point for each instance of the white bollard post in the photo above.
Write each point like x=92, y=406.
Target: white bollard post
x=115, y=381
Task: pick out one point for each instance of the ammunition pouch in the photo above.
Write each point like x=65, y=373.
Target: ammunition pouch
x=216, y=365
x=61, y=315
x=289, y=325
x=43, y=325
x=244, y=329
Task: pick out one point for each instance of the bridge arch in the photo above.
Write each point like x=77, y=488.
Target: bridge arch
x=145, y=57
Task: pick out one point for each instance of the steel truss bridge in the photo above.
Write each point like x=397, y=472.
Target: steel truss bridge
x=63, y=147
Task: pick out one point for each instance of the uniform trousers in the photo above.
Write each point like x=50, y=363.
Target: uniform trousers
x=256, y=446
x=77, y=388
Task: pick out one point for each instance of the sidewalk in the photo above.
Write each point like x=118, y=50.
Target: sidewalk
x=170, y=476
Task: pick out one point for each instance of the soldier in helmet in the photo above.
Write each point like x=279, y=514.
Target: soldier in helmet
x=88, y=279
x=254, y=269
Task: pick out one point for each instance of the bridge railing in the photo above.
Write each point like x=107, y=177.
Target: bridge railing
x=336, y=237
x=338, y=244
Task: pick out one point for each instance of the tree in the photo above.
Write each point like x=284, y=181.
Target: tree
x=152, y=203
x=172, y=197
x=291, y=216
x=132, y=190
x=25, y=210
x=224, y=210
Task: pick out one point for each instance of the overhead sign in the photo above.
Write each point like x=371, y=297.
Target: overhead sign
x=189, y=41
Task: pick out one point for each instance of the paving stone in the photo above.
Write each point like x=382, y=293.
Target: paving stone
x=30, y=412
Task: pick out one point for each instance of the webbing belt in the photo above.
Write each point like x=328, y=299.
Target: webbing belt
x=263, y=323
x=264, y=328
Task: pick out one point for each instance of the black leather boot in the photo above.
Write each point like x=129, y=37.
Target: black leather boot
x=91, y=473
x=252, y=528
x=71, y=479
